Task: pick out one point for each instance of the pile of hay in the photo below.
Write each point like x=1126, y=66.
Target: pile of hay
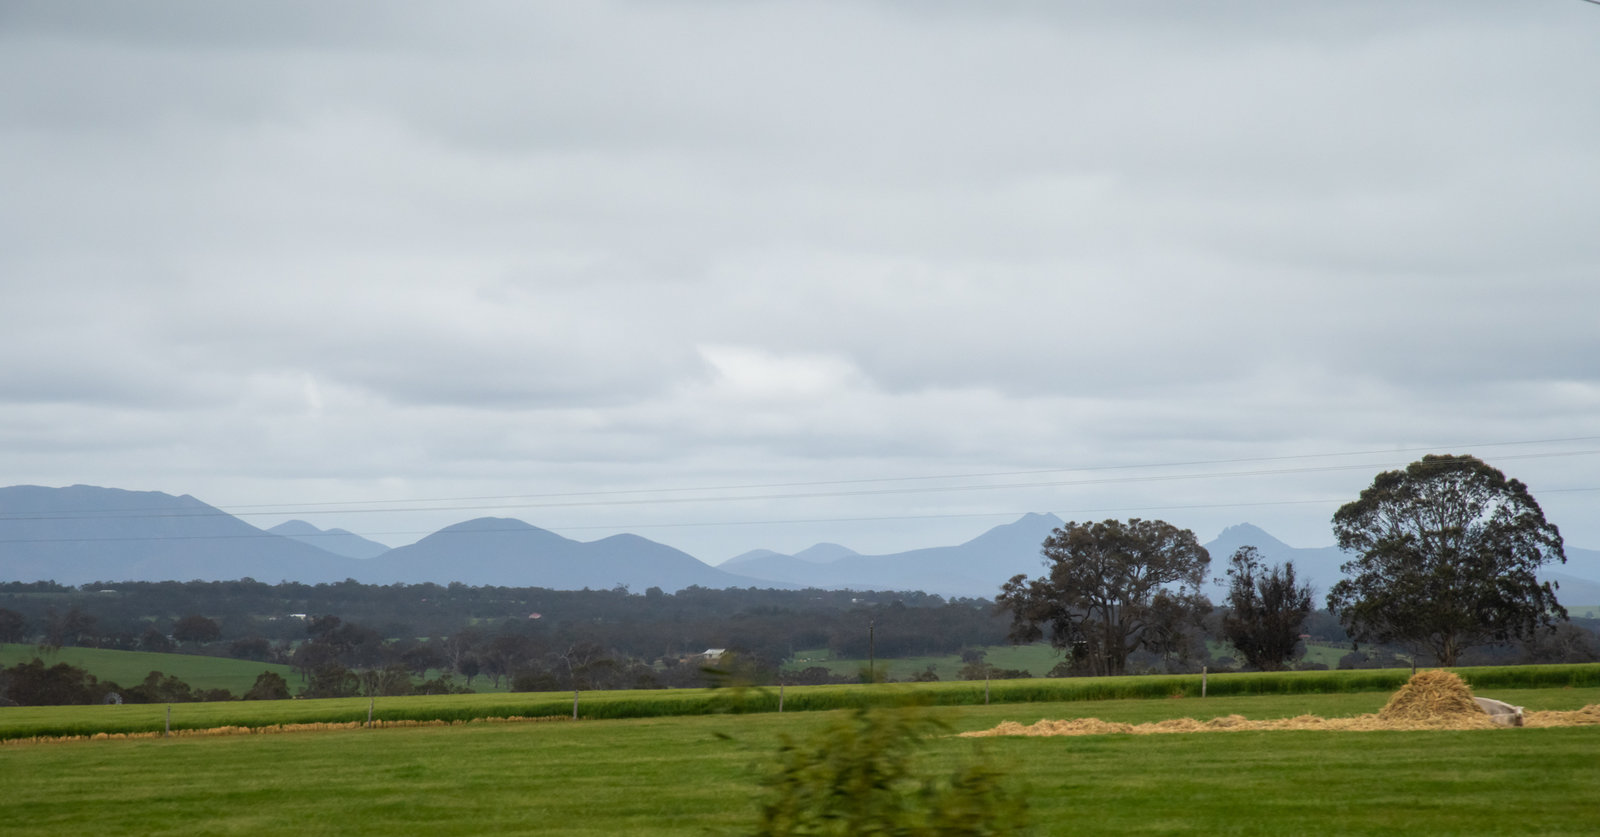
x=1430, y=700
x=1433, y=698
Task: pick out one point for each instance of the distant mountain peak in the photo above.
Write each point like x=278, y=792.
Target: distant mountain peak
x=824, y=553
x=752, y=555
x=337, y=541
x=292, y=528
x=491, y=524
x=1247, y=534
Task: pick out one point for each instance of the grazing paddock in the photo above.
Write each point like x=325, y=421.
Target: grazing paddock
x=698, y=775
x=31, y=721
x=129, y=668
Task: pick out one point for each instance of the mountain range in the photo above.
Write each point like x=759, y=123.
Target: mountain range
x=84, y=534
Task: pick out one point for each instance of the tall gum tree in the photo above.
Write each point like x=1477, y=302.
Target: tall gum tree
x=1266, y=609
x=1447, y=557
x=1110, y=588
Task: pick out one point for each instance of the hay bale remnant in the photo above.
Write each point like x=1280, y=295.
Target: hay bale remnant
x=1431, y=700
x=1432, y=697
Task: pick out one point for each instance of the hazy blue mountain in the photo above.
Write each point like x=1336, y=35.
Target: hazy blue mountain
x=976, y=568
x=86, y=533
x=798, y=569
x=1317, y=565
x=82, y=534
x=771, y=566
x=1579, y=577
x=1582, y=563
x=337, y=541
x=752, y=556
x=824, y=553
x=979, y=566
x=1574, y=591
x=511, y=553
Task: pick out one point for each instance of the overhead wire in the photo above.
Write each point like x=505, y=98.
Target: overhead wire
x=213, y=512
x=278, y=507
x=615, y=497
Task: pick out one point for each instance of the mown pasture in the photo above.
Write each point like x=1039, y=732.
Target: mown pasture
x=29, y=721
x=1037, y=659
x=699, y=775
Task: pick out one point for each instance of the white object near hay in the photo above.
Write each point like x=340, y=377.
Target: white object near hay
x=1501, y=712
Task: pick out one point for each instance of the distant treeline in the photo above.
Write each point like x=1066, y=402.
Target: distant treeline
x=350, y=638
x=254, y=620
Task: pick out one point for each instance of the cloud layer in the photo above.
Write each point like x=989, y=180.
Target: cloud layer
x=298, y=255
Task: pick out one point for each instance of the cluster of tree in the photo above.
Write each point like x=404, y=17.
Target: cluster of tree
x=1447, y=555
x=34, y=683
x=975, y=667
x=263, y=622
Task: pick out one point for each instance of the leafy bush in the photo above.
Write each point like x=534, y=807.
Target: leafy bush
x=269, y=685
x=856, y=777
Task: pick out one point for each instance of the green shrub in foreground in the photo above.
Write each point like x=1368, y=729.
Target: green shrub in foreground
x=855, y=776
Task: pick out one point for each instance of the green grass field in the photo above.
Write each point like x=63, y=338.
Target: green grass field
x=31, y=721
x=128, y=668
x=699, y=775
x=1036, y=659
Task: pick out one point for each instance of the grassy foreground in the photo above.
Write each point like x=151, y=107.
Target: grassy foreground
x=698, y=775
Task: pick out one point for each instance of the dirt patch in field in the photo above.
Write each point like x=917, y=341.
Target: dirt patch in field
x=1430, y=700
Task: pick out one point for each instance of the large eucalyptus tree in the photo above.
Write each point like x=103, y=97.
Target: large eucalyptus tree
x=1111, y=589
x=1447, y=557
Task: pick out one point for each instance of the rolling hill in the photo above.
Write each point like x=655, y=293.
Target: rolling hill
x=83, y=534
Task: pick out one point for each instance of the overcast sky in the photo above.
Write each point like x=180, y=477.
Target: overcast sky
x=738, y=275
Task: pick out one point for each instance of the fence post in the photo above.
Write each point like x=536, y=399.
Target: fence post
x=371, y=701
x=986, y=688
x=168, y=732
x=780, y=695
x=1203, y=677
x=574, y=704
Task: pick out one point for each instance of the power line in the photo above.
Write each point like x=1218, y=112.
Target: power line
x=1065, y=513
x=681, y=525
x=576, y=499
x=869, y=480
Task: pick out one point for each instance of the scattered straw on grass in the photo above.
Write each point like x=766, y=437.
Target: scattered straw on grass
x=1431, y=700
x=278, y=729
x=1587, y=716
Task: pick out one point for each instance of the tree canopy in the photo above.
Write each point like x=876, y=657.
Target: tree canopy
x=1447, y=556
x=1266, y=610
x=1111, y=589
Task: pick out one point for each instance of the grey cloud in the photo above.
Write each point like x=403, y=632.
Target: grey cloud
x=402, y=247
